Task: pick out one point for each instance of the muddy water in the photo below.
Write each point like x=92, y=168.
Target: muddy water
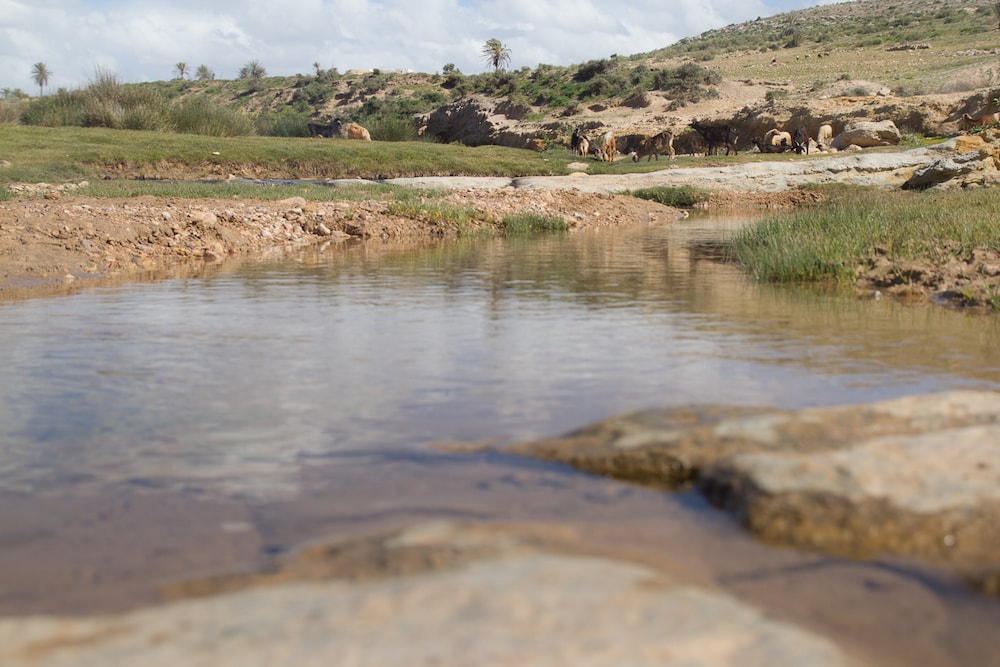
x=163, y=430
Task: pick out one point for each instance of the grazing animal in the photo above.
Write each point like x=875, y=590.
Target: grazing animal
x=579, y=143
x=607, y=147
x=654, y=145
x=824, y=137
x=800, y=144
x=351, y=131
x=717, y=135
x=775, y=141
x=970, y=122
x=321, y=130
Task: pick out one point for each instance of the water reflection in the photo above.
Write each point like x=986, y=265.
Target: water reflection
x=230, y=383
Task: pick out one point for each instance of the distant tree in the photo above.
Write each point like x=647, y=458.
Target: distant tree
x=181, y=69
x=496, y=54
x=318, y=68
x=204, y=73
x=252, y=70
x=40, y=75
x=448, y=69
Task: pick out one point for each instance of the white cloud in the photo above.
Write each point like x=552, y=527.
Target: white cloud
x=142, y=40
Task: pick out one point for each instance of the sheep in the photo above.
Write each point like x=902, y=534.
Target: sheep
x=824, y=137
x=775, y=141
x=351, y=131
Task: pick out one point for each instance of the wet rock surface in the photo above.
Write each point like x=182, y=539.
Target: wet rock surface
x=435, y=594
x=913, y=477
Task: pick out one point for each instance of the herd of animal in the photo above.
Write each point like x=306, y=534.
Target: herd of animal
x=714, y=137
x=339, y=129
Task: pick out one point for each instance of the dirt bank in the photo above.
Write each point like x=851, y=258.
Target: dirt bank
x=53, y=235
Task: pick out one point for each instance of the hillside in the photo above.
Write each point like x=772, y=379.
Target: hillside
x=919, y=63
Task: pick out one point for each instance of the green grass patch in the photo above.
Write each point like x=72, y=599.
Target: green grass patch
x=71, y=153
x=524, y=224
x=250, y=190
x=678, y=197
x=827, y=242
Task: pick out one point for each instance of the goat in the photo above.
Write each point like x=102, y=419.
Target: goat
x=607, y=147
x=970, y=122
x=320, y=130
x=800, y=144
x=579, y=143
x=654, y=145
x=717, y=135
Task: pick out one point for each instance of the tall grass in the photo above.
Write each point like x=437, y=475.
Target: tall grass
x=533, y=223
x=679, y=197
x=199, y=115
x=829, y=241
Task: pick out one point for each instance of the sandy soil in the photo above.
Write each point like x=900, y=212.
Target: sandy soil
x=52, y=235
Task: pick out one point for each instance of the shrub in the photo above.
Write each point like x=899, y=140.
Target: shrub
x=198, y=115
x=391, y=128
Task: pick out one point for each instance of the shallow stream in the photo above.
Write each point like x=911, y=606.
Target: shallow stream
x=158, y=430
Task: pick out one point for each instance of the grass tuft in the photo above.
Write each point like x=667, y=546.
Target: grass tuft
x=533, y=223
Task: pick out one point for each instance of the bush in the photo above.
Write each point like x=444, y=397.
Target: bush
x=391, y=128
x=198, y=115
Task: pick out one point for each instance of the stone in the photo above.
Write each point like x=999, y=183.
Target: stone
x=916, y=476
x=447, y=595
x=867, y=134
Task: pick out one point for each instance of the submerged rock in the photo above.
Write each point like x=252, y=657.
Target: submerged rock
x=916, y=476
x=447, y=595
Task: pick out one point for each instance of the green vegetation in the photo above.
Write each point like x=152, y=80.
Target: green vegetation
x=524, y=224
x=678, y=197
x=63, y=154
x=827, y=243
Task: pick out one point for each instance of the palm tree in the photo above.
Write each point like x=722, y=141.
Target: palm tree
x=496, y=54
x=40, y=75
x=182, y=70
x=204, y=73
x=253, y=70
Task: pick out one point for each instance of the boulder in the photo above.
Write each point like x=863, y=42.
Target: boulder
x=915, y=477
x=867, y=134
x=434, y=594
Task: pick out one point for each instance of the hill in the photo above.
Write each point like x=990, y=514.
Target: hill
x=919, y=63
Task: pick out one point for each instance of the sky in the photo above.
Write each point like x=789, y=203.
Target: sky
x=144, y=40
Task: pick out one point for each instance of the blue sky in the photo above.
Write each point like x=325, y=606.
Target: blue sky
x=143, y=40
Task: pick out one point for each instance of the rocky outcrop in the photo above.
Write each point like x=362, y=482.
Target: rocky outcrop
x=867, y=134
x=973, y=161
x=915, y=476
x=480, y=122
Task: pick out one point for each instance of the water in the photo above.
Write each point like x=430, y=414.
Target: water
x=303, y=397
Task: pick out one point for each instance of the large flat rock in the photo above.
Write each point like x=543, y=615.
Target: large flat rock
x=436, y=594
x=916, y=476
